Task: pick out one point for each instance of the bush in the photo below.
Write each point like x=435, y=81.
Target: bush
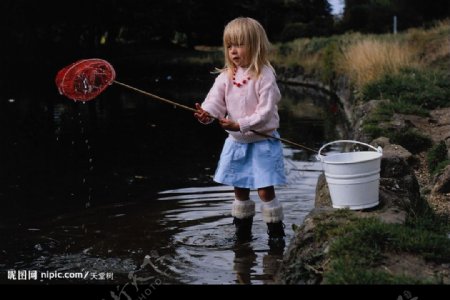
x=412, y=140
x=437, y=157
x=428, y=89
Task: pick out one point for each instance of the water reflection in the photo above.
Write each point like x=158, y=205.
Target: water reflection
x=246, y=264
x=309, y=117
x=244, y=260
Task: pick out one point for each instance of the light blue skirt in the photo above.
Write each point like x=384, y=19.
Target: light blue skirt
x=251, y=165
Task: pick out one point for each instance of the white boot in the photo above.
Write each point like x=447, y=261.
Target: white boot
x=272, y=211
x=243, y=212
x=243, y=209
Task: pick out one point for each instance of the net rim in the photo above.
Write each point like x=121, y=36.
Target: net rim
x=67, y=70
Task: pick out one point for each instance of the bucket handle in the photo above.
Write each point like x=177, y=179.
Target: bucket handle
x=379, y=149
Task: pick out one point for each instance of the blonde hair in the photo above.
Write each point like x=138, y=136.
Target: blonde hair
x=251, y=34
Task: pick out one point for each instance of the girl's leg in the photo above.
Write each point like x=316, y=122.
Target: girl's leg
x=241, y=193
x=266, y=194
x=272, y=213
x=243, y=210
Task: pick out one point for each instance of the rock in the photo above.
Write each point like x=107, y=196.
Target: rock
x=323, y=198
x=359, y=115
x=442, y=184
x=392, y=151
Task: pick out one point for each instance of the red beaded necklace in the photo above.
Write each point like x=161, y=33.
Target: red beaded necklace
x=239, y=84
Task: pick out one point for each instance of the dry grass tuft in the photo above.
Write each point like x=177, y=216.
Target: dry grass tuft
x=369, y=59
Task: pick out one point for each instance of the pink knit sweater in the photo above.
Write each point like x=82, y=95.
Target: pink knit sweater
x=253, y=105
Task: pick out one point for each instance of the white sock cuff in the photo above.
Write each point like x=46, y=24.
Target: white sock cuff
x=243, y=209
x=272, y=203
x=272, y=214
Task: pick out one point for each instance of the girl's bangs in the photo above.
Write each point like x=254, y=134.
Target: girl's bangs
x=234, y=36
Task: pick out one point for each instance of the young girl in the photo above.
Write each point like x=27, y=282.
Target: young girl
x=244, y=98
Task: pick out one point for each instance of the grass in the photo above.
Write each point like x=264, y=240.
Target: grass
x=437, y=158
x=362, y=244
x=330, y=225
x=307, y=53
x=410, y=92
x=410, y=138
x=347, y=249
x=427, y=89
x=367, y=58
x=351, y=272
x=432, y=44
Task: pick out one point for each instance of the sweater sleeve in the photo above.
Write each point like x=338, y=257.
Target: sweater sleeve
x=214, y=102
x=269, y=96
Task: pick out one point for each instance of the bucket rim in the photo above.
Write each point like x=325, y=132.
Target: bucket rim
x=321, y=157
x=378, y=156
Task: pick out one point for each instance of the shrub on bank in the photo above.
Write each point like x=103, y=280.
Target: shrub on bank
x=428, y=89
x=437, y=158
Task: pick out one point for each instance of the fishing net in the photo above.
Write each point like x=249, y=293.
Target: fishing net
x=85, y=79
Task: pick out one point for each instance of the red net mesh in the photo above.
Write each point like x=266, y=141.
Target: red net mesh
x=85, y=79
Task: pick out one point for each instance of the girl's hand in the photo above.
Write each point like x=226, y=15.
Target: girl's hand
x=202, y=115
x=230, y=125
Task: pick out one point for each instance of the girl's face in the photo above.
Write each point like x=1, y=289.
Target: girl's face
x=238, y=55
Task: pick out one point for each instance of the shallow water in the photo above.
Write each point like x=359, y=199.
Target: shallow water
x=185, y=235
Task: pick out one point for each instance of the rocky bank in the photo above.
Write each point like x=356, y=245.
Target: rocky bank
x=406, y=192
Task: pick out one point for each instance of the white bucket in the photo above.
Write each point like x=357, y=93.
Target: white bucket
x=353, y=177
